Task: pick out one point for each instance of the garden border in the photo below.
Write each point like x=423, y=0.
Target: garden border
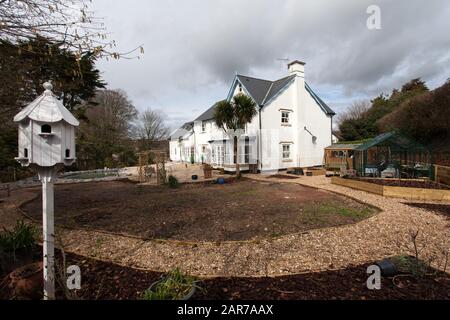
x=395, y=192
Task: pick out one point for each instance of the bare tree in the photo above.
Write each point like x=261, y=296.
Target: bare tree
x=355, y=111
x=69, y=23
x=152, y=127
x=107, y=127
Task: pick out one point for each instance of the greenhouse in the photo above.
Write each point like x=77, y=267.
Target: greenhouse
x=391, y=155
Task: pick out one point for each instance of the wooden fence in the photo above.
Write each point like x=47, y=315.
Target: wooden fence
x=442, y=174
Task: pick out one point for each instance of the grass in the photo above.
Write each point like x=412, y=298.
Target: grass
x=175, y=286
x=245, y=193
x=324, y=208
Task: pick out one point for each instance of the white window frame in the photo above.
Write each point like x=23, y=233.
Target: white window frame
x=203, y=127
x=286, y=154
x=285, y=117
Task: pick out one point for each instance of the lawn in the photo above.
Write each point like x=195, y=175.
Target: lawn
x=240, y=210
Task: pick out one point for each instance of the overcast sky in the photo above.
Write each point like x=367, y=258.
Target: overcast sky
x=193, y=48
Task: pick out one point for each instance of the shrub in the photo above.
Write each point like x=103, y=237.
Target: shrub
x=23, y=236
x=173, y=287
x=173, y=182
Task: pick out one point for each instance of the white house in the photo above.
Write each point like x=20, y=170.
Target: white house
x=291, y=129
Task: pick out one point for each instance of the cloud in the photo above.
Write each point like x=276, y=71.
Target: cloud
x=193, y=48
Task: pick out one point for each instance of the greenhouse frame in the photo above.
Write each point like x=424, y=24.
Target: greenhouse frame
x=393, y=155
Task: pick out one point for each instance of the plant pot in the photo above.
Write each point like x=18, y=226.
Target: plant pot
x=27, y=282
x=186, y=297
x=387, y=268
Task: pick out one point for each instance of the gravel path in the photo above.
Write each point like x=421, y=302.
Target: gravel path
x=386, y=234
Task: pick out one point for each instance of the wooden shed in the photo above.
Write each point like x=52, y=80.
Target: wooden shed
x=340, y=156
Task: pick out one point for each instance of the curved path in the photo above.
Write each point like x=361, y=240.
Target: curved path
x=386, y=234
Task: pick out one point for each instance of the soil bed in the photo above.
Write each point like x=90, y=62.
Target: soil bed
x=240, y=210
x=104, y=280
x=405, y=183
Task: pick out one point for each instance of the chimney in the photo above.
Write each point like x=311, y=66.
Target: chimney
x=297, y=67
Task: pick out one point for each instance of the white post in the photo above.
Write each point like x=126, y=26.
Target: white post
x=46, y=175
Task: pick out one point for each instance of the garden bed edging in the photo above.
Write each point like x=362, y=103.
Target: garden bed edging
x=395, y=192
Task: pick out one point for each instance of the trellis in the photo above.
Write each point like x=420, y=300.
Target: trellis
x=146, y=158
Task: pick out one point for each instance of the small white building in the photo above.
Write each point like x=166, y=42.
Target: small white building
x=291, y=129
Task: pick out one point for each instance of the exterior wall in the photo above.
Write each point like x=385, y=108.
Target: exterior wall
x=319, y=124
x=202, y=138
x=303, y=112
x=174, y=150
x=275, y=134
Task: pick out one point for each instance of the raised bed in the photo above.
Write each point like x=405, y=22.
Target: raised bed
x=411, y=193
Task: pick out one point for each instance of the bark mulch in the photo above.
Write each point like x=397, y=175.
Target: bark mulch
x=104, y=280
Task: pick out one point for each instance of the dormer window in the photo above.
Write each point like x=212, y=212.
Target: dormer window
x=46, y=128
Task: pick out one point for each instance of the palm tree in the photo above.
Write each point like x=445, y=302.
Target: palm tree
x=232, y=116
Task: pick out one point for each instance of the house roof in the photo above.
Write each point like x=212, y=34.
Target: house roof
x=208, y=114
x=319, y=101
x=262, y=91
x=277, y=86
x=257, y=88
x=337, y=134
x=46, y=108
x=182, y=131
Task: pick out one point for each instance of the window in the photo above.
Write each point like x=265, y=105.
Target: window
x=284, y=117
x=240, y=87
x=337, y=154
x=286, y=151
x=25, y=153
x=203, y=126
x=218, y=155
x=67, y=153
x=46, y=128
x=187, y=153
x=247, y=150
